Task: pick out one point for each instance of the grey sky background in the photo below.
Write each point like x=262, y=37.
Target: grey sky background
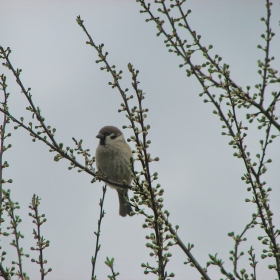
x=201, y=178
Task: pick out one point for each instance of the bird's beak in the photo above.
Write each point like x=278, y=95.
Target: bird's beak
x=100, y=136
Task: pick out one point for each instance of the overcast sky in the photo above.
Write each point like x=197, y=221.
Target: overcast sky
x=201, y=178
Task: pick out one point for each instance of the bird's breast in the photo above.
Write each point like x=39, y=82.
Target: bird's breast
x=113, y=163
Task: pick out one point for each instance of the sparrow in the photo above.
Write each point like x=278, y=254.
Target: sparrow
x=112, y=159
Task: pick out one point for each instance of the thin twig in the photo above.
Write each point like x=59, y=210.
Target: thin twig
x=97, y=245
x=2, y=137
x=237, y=240
x=15, y=220
x=41, y=243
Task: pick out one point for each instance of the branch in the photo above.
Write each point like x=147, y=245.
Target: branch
x=235, y=94
x=41, y=243
x=185, y=51
x=47, y=131
x=3, y=136
x=134, y=116
x=10, y=207
x=97, y=246
x=237, y=240
x=144, y=188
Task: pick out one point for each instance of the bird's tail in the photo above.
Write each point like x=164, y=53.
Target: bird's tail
x=125, y=207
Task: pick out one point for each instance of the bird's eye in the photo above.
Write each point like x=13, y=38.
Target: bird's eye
x=107, y=133
x=113, y=136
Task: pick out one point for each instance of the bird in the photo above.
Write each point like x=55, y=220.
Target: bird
x=112, y=159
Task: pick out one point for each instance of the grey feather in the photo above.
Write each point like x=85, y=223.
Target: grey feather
x=125, y=207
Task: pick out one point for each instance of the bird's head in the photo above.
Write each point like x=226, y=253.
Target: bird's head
x=110, y=135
